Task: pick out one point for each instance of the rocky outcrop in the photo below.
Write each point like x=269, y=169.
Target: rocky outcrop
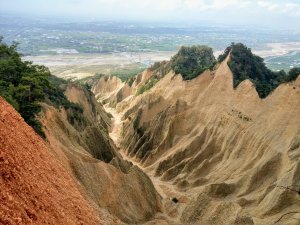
x=111, y=90
x=234, y=154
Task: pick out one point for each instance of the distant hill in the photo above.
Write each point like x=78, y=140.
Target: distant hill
x=192, y=61
x=245, y=65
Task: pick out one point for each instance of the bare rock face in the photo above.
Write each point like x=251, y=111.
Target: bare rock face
x=35, y=187
x=111, y=90
x=234, y=154
x=113, y=185
x=112, y=93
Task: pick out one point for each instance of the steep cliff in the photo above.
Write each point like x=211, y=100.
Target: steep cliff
x=83, y=146
x=231, y=157
x=35, y=187
x=111, y=90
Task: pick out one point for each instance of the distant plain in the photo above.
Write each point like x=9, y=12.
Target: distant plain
x=78, y=50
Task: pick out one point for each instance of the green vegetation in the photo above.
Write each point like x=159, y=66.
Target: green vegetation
x=160, y=69
x=88, y=82
x=192, y=61
x=151, y=82
x=25, y=85
x=292, y=75
x=127, y=72
x=130, y=80
x=74, y=113
x=245, y=65
x=55, y=96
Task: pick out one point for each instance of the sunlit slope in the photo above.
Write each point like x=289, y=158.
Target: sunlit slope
x=236, y=153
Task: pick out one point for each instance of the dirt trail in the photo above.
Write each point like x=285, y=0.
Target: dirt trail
x=115, y=133
x=116, y=126
x=166, y=190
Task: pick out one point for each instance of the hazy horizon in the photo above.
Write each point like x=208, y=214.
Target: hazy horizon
x=267, y=13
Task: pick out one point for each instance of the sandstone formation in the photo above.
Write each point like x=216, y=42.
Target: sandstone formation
x=156, y=150
x=113, y=185
x=217, y=155
x=111, y=90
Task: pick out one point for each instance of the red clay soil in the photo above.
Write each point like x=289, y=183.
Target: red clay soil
x=34, y=186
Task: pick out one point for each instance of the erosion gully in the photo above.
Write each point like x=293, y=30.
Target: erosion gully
x=174, y=201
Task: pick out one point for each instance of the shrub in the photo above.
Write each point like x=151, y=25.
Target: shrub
x=293, y=74
x=192, y=61
x=245, y=65
x=25, y=85
x=147, y=86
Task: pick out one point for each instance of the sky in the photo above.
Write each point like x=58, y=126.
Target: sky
x=271, y=13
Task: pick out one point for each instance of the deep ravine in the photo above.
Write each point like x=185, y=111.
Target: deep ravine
x=174, y=201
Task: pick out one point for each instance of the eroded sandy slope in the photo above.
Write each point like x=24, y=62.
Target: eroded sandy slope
x=235, y=155
x=35, y=187
x=115, y=188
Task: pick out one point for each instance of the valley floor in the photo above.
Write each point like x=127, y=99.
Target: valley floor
x=174, y=201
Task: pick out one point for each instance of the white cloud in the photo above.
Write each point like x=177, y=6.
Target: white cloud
x=232, y=11
x=283, y=7
x=195, y=4
x=275, y=6
x=219, y=4
x=293, y=8
x=271, y=6
x=202, y=5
